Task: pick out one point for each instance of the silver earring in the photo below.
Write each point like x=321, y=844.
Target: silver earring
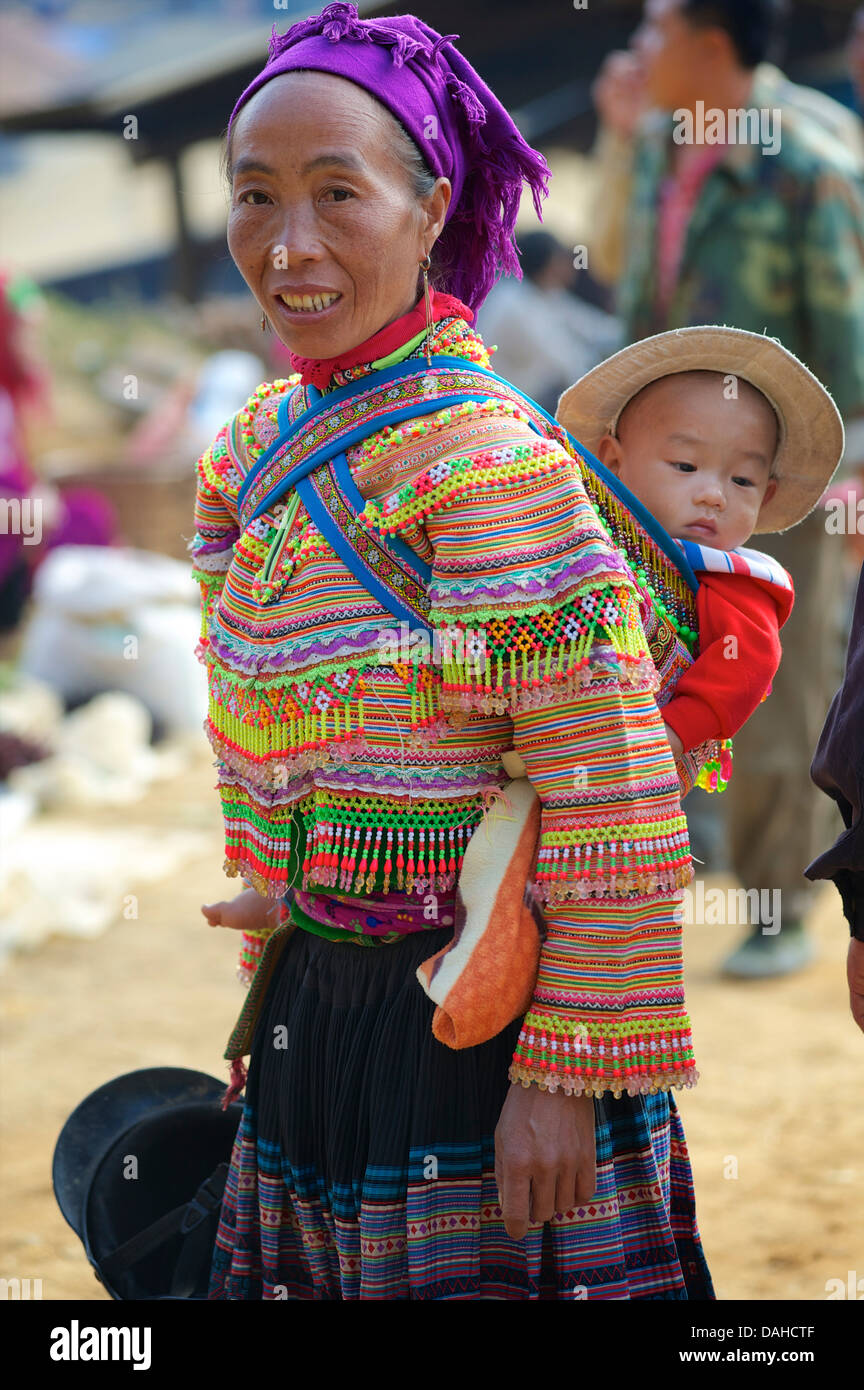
x=425, y=267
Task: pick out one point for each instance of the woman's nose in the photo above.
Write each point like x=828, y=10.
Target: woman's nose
x=298, y=241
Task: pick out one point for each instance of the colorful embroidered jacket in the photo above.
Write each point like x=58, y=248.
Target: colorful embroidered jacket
x=351, y=759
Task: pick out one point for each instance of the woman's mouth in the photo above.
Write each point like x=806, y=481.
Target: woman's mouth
x=309, y=304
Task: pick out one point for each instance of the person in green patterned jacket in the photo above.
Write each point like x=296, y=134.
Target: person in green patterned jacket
x=743, y=205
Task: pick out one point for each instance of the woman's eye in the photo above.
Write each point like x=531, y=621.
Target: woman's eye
x=339, y=194
x=252, y=193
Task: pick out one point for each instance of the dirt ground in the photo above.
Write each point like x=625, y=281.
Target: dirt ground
x=775, y=1125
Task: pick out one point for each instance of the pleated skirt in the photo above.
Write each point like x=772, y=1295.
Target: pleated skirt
x=364, y=1163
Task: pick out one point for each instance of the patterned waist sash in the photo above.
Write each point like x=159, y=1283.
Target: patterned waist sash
x=378, y=920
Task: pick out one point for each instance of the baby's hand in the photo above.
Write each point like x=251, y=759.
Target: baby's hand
x=247, y=912
x=674, y=742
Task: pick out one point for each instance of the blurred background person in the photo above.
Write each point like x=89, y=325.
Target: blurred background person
x=190, y=412
x=698, y=232
x=35, y=516
x=545, y=334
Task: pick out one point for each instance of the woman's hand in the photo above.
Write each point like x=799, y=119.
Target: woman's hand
x=544, y=1155
x=855, y=976
x=247, y=912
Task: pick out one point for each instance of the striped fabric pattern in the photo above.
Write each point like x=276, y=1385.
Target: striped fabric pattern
x=374, y=1178
x=445, y=1240
x=287, y=1234
x=741, y=560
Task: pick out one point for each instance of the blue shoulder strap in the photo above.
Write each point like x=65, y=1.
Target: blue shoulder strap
x=349, y=555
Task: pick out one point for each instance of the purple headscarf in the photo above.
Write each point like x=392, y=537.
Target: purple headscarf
x=461, y=128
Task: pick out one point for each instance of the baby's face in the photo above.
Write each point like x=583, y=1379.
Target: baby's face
x=698, y=456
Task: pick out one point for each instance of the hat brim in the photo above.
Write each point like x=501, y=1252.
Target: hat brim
x=106, y=1114
x=811, y=430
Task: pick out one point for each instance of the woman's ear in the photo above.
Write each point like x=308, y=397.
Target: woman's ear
x=609, y=452
x=436, y=204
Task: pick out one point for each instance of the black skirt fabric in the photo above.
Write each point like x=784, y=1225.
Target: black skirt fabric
x=364, y=1163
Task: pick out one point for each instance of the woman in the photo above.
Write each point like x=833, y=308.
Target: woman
x=371, y=1159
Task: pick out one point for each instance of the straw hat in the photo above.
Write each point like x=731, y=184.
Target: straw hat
x=810, y=440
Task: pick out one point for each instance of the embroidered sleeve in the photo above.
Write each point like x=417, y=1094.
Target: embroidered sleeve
x=546, y=626
x=216, y=525
x=220, y=472
x=608, y=1010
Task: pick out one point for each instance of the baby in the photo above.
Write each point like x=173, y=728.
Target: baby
x=720, y=433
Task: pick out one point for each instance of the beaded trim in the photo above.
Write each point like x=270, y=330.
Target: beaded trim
x=451, y=478
x=416, y=846
x=636, y=1056
x=359, y=846
x=595, y=861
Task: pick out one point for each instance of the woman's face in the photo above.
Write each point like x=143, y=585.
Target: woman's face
x=323, y=215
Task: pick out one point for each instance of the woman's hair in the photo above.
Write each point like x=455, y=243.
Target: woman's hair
x=420, y=177
x=421, y=181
